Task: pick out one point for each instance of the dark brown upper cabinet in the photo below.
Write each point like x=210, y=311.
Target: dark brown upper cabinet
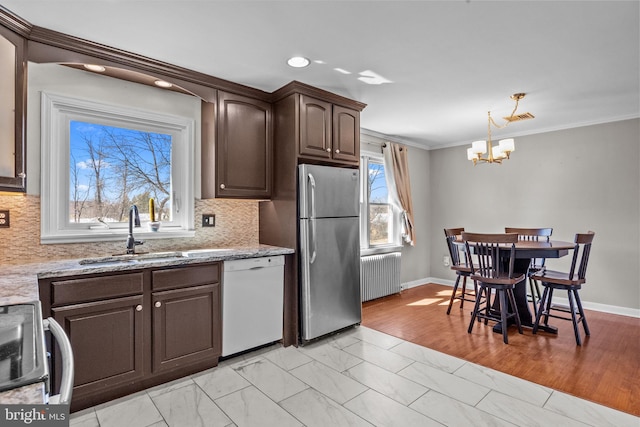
x=315, y=127
x=346, y=134
x=12, y=111
x=327, y=131
x=237, y=148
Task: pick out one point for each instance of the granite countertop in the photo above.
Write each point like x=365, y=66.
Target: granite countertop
x=19, y=283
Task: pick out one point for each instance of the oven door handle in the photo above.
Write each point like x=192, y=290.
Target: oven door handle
x=66, y=384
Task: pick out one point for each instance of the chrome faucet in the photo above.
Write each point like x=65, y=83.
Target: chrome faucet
x=134, y=219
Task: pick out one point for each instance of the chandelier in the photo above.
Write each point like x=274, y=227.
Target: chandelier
x=504, y=148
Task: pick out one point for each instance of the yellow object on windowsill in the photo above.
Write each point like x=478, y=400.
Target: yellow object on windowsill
x=152, y=211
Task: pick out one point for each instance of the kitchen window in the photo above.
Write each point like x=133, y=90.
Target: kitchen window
x=98, y=160
x=379, y=220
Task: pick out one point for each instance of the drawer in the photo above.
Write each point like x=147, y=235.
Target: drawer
x=181, y=277
x=96, y=288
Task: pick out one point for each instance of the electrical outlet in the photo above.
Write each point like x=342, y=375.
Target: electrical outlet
x=446, y=261
x=4, y=219
x=208, y=220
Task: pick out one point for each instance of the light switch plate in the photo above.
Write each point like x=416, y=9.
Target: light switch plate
x=208, y=220
x=4, y=218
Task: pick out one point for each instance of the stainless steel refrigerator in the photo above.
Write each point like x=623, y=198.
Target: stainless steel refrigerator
x=328, y=210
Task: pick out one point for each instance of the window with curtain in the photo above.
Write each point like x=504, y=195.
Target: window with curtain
x=379, y=220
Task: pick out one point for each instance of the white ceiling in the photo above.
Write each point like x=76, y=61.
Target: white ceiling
x=449, y=61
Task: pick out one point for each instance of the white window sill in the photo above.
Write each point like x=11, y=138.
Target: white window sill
x=112, y=235
x=381, y=250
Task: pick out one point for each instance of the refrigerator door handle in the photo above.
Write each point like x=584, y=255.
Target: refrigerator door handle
x=312, y=218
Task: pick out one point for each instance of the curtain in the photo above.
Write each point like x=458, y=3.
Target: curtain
x=396, y=164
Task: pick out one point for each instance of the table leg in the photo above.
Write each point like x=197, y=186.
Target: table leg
x=521, y=265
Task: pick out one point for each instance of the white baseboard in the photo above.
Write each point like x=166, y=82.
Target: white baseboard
x=595, y=306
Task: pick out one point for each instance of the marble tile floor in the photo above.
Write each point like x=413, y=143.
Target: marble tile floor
x=359, y=377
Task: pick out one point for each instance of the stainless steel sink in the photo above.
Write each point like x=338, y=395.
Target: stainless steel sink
x=22, y=351
x=204, y=252
x=130, y=258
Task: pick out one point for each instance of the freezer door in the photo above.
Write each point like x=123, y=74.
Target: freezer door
x=328, y=192
x=330, y=276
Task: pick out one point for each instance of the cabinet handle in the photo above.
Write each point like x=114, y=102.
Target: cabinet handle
x=337, y=151
x=139, y=307
x=222, y=186
x=158, y=304
x=328, y=150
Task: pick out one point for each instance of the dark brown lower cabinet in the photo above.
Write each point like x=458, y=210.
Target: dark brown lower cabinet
x=107, y=341
x=184, y=326
x=134, y=330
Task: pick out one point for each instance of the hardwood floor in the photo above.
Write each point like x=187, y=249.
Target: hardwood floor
x=605, y=370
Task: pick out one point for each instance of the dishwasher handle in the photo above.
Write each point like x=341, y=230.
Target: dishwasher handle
x=66, y=384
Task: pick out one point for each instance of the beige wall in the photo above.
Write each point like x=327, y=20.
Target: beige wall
x=573, y=180
x=415, y=259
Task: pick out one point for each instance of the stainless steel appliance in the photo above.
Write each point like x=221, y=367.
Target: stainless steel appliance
x=328, y=209
x=23, y=359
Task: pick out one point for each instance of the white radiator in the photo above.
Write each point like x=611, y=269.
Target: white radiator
x=379, y=275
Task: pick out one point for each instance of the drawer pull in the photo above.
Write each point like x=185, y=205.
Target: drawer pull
x=222, y=186
x=158, y=304
x=139, y=307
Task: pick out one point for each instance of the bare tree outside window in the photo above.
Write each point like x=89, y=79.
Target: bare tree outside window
x=380, y=213
x=112, y=168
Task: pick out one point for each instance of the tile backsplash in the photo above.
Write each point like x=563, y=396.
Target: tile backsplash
x=236, y=225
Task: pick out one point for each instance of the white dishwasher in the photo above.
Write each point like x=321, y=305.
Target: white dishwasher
x=252, y=303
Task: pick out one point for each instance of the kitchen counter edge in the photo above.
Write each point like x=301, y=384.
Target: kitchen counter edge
x=19, y=283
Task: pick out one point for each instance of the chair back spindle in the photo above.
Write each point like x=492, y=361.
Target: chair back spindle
x=531, y=234
x=581, y=251
x=483, y=252
x=452, y=235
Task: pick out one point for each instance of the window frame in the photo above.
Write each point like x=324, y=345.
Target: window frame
x=366, y=248
x=57, y=111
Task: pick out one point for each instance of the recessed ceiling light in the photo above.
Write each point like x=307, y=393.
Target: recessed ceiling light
x=96, y=68
x=298, y=62
x=162, y=83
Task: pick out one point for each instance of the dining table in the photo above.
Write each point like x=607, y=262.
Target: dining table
x=526, y=250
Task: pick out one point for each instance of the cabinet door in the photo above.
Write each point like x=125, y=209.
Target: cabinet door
x=107, y=342
x=315, y=128
x=346, y=134
x=243, y=148
x=186, y=326
x=12, y=111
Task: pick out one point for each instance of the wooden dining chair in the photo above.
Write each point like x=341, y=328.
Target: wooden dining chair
x=459, y=264
x=492, y=257
x=571, y=282
x=537, y=264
